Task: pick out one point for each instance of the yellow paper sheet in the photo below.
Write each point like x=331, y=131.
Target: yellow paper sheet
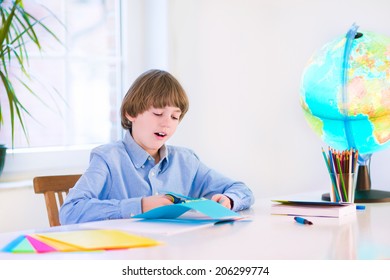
x=60, y=246
x=101, y=239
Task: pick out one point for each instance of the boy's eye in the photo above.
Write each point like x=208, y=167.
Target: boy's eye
x=175, y=118
x=157, y=114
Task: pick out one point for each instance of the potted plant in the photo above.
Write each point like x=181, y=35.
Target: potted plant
x=18, y=28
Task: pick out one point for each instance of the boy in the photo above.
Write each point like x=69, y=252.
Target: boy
x=129, y=177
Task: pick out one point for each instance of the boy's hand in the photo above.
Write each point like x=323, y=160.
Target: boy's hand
x=223, y=200
x=150, y=202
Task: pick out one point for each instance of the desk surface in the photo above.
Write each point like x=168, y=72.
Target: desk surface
x=266, y=236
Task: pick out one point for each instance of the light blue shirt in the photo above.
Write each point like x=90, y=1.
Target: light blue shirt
x=121, y=173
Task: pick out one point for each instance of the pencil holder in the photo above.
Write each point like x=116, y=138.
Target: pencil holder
x=343, y=187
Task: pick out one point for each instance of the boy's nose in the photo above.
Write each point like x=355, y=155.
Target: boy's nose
x=165, y=122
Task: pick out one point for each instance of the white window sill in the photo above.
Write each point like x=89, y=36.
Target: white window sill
x=16, y=184
x=23, y=165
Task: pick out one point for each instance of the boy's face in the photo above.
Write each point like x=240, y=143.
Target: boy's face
x=152, y=128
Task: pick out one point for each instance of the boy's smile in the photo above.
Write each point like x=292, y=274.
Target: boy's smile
x=152, y=128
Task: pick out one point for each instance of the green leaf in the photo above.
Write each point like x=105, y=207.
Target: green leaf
x=5, y=27
x=16, y=30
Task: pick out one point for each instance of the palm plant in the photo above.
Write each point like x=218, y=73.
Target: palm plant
x=18, y=27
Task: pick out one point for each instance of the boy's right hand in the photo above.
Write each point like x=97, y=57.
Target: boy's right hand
x=150, y=202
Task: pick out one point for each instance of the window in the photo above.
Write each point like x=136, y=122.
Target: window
x=85, y=73
x=80, y=81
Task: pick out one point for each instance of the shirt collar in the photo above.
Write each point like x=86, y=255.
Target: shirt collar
x=164, y=159
x=138, y=155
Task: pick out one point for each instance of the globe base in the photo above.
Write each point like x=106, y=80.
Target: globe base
x=372, y=196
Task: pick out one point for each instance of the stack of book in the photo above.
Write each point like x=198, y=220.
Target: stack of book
x=311, y=208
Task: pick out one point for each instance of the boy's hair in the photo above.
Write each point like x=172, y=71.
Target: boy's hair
x=155, y=88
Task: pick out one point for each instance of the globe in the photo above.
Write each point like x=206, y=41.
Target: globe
x=345, y=93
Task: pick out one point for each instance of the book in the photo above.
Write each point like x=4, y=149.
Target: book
x=312, y=208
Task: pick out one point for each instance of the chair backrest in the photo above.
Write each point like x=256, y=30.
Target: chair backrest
x=54, y=188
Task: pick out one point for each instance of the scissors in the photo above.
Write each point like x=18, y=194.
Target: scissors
x=175, y=199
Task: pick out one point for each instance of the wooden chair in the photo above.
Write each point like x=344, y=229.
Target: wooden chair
x=54, y=188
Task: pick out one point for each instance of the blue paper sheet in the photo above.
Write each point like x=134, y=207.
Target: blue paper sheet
x=211, y=209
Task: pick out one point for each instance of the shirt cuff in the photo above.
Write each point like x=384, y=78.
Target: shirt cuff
x=235, y=200
x=130, y=207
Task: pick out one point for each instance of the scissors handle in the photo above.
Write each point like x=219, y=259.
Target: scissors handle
x=175, y=199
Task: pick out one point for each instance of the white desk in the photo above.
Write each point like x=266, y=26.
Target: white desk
x=266, y=237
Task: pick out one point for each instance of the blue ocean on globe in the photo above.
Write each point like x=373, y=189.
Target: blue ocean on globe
x=345, y=92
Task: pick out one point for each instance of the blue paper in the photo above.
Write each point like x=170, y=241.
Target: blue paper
x=213, y=210
x=14, y=243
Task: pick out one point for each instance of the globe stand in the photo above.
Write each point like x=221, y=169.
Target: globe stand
x=363, y=192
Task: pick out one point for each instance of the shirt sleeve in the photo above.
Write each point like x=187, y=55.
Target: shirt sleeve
x=87, y=201
x=209, y=182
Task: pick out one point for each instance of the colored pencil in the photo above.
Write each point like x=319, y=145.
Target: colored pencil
x=332, y=178
x=340, y=164
x=342, y=179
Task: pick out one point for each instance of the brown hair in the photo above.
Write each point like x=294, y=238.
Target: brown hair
x=155, y=88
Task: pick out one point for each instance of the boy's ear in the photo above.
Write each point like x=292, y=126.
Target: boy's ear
x=130, y=118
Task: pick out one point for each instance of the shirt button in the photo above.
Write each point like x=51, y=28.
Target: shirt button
x=143, y=166
x=152, y=173
x=149, y=158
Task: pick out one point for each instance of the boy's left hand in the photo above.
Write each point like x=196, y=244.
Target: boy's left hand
x=222, y=199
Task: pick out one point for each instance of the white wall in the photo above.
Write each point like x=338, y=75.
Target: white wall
x=241, y=63
x=21, y=208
